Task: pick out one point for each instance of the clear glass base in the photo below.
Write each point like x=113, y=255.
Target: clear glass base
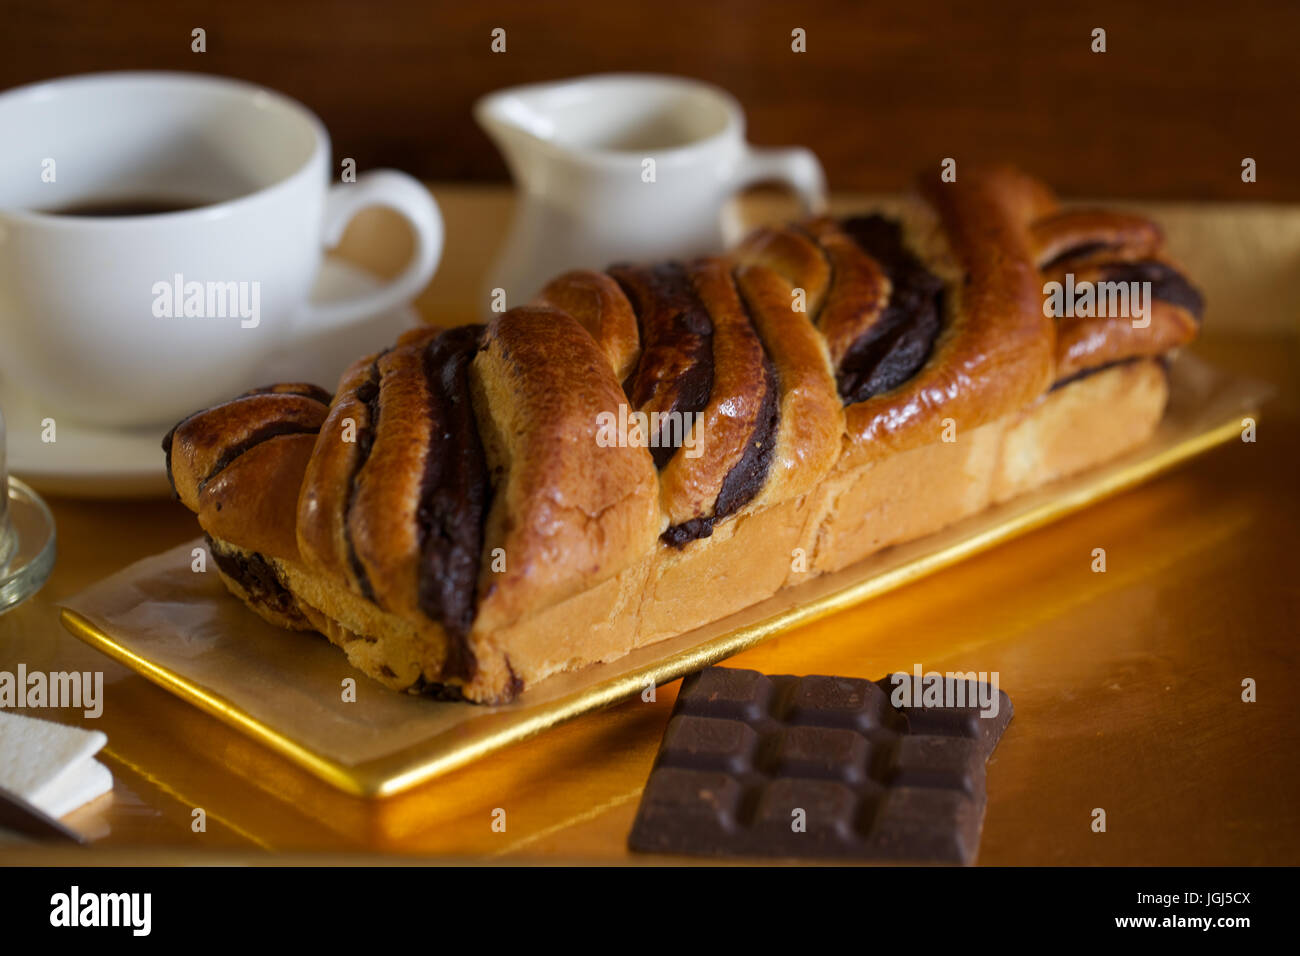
x=30, y=543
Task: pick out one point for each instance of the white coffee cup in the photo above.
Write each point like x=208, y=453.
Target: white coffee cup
x=141, y=319
x=625, y=166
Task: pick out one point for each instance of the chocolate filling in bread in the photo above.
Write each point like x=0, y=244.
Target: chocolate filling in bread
x=367, y=393
x=256, y=576
x=1089, y=372
x=676, y=345
x=746, y=477
x=677, y=338
x=1076, y=252
x=1167, y=283
x=895, y=347
x=455, y=495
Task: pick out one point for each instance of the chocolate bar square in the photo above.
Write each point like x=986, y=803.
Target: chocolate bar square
x=821, y=768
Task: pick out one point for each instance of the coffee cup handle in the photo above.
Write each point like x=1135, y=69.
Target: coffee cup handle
x=397, y=191
x=794, y=166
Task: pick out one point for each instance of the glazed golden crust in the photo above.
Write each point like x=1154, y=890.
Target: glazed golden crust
x=1097, y=246
x=1087, y=342
x=791, y=255
x=213, y=457
x=1058, y=234
x=858, y=292
x=995, y=353
x=326, y=487
x=811, y=415
x=385, y=493
x=596, y=301
x=692, y=480
x=568, y=512
x=561, y=531
x=205, y=443
x=264, y=522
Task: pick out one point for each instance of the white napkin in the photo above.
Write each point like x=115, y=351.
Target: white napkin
x=51, y=766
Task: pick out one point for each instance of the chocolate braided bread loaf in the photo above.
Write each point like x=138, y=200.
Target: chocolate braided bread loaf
x=459, y=522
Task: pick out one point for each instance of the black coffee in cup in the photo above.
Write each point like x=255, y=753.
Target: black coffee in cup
x=127, y=206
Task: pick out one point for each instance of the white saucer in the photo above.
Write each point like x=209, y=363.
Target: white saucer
x=90, y=461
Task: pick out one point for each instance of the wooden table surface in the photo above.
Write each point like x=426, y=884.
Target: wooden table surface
x=1127, y=684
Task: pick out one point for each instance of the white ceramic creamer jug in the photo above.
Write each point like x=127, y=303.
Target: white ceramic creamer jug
x=624, y=167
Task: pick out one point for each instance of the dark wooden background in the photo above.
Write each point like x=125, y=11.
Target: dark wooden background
x=1186, y=90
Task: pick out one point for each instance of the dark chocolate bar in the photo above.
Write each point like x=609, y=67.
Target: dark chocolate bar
x=821, y=768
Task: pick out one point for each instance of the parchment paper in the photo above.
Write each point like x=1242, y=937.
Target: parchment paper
x=188, y=623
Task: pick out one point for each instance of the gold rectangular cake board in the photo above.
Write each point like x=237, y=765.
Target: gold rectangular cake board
x=1185, y=433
